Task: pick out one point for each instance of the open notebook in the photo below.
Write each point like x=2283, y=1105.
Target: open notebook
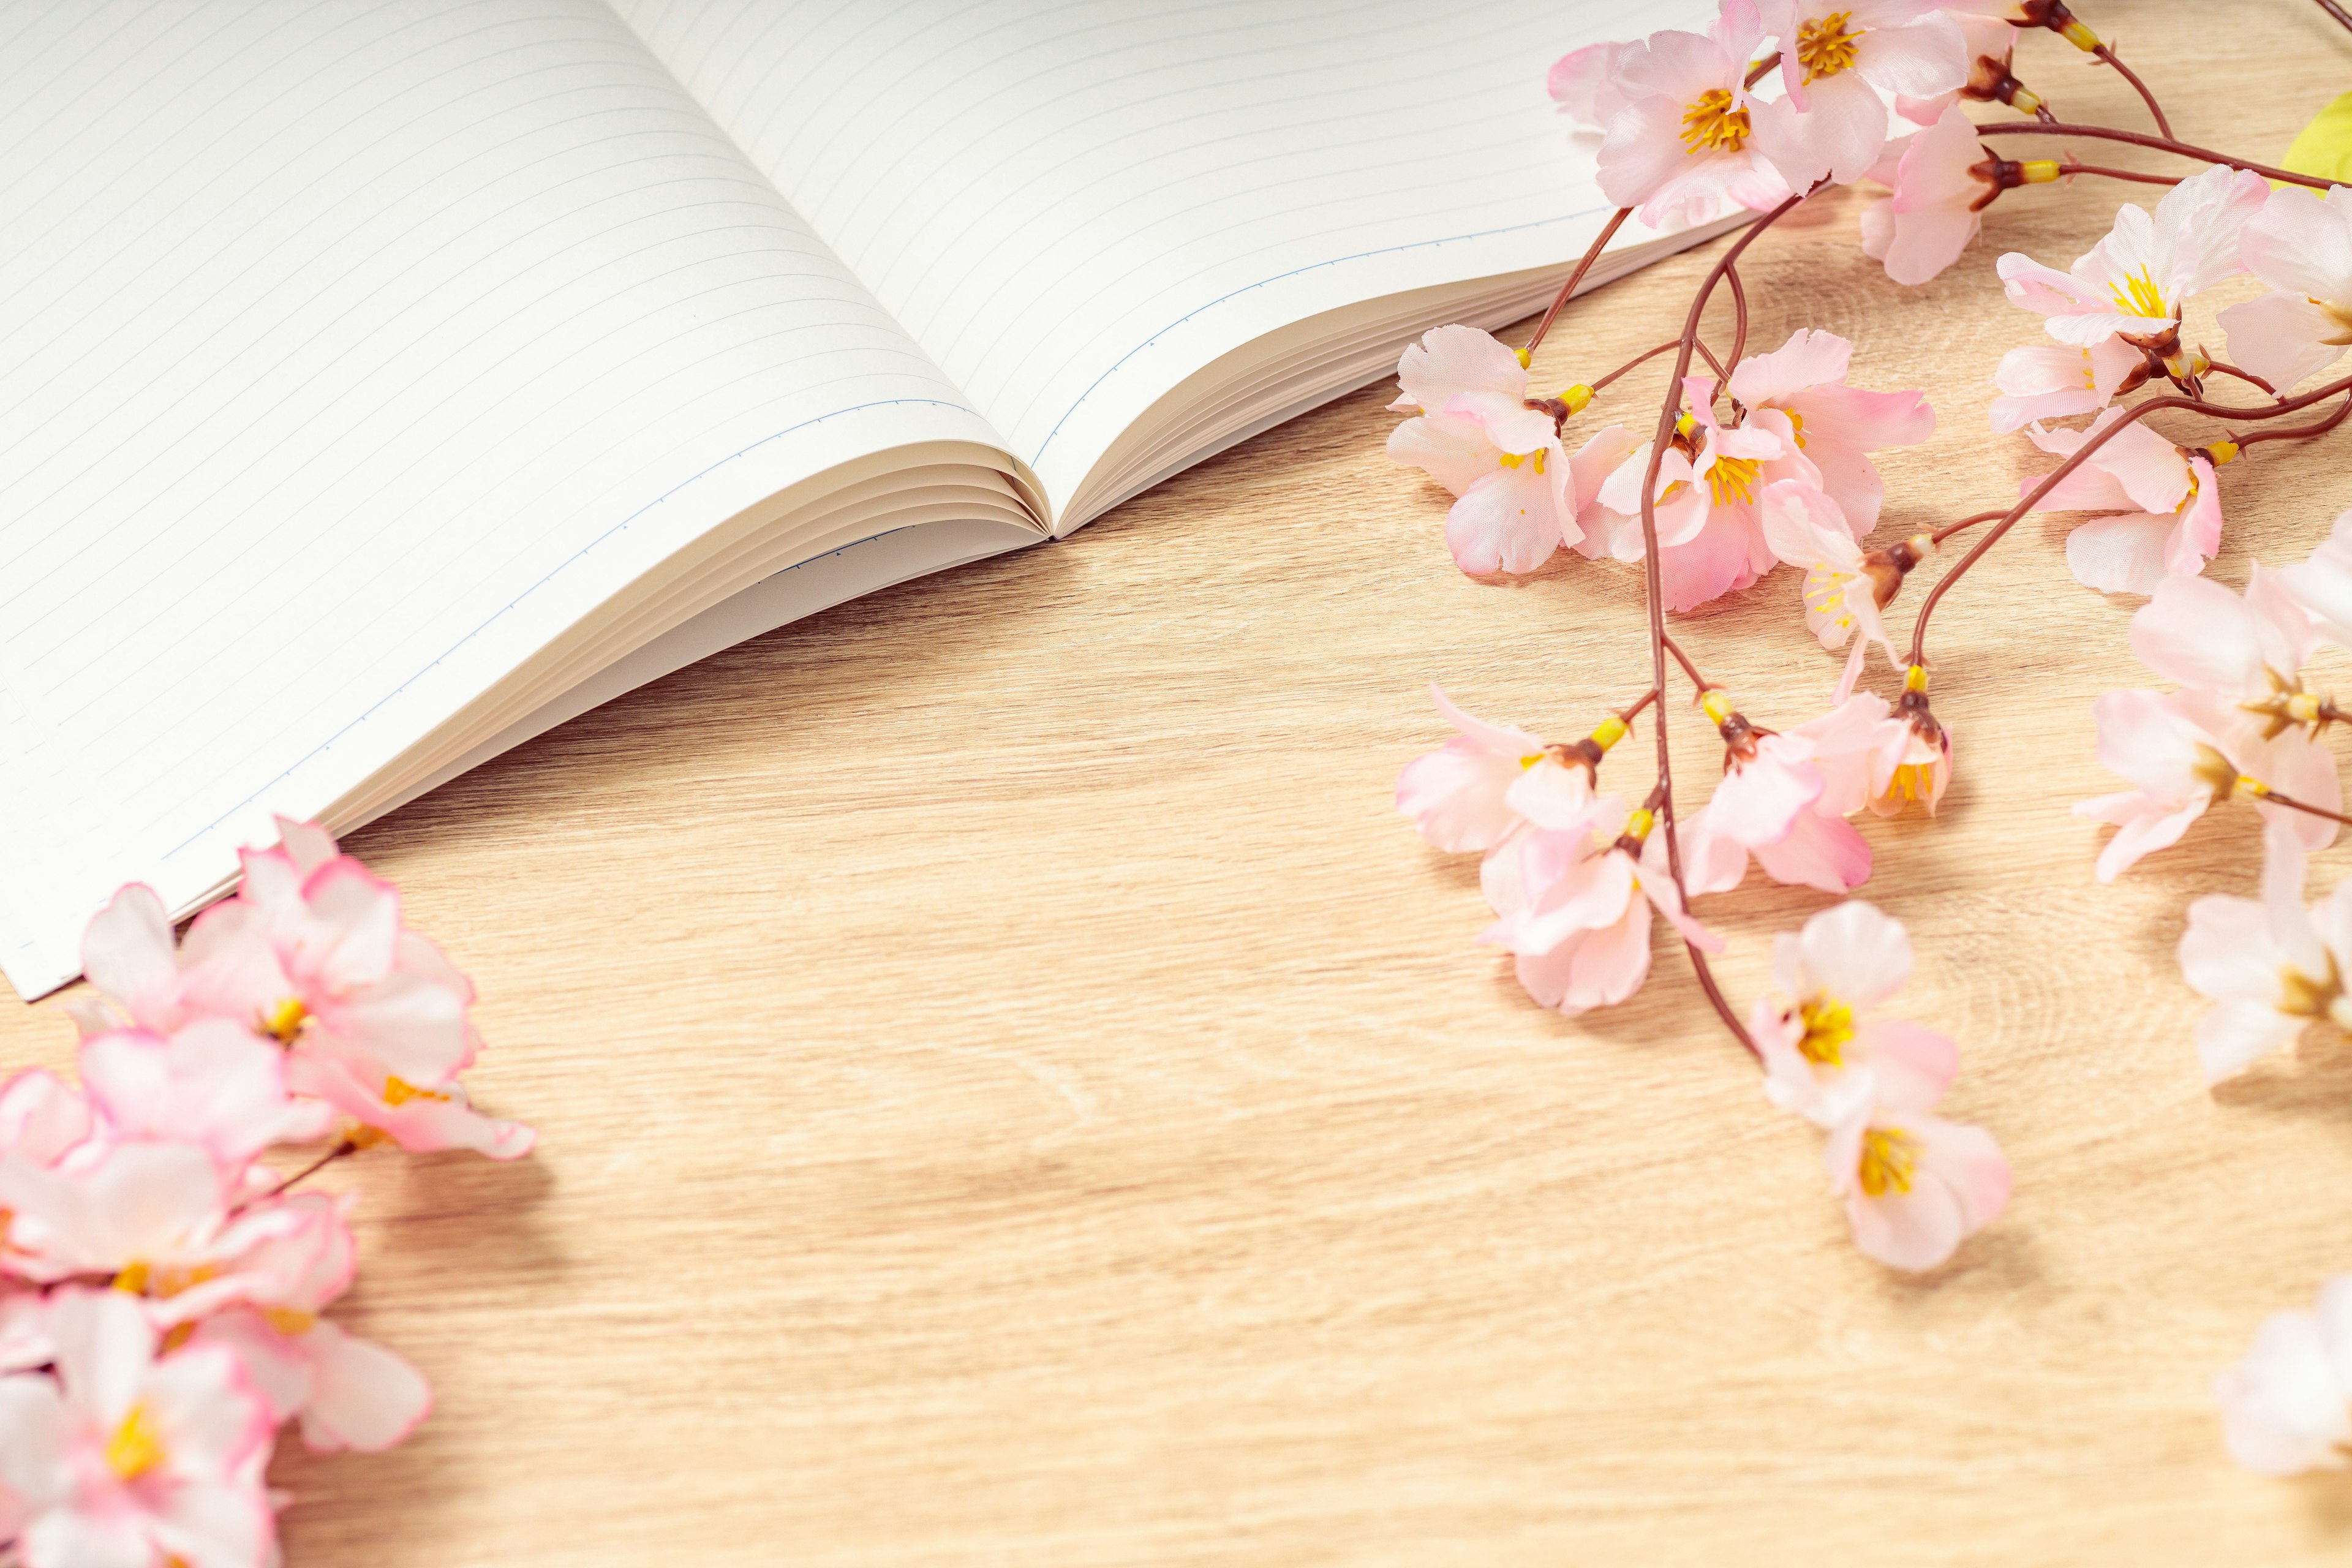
x=382, y=382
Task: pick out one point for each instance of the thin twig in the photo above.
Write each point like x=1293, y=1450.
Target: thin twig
x=2339, y=12
x=2154, y=108
x=2137, y=139
x=1696, y=679
x=1739, y=317
x=2074, y=167
x=1645, y=354
x=1591, y=255
x=1630, y=714
x=2300, y=432
x=2227, y=369
x=1950, y=529
x=2261, y=791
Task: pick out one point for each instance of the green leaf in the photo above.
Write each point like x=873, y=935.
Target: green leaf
x=2324, y=150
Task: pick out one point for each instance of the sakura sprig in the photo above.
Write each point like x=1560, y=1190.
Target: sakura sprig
x=1742, y=464
x=163, y=1289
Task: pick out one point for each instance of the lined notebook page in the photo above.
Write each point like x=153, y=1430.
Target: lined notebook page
x=1073, y=206
x=349, y=351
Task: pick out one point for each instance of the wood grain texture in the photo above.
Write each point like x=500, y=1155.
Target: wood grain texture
x=1013, y=1091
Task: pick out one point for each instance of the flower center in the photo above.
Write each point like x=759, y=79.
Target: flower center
x=1825, y=47
x=1826, y=594
x=398, y=1092
x=1796, y=427
x=1712, y=125
x=2341, y=316
x=1513, y=459
x=1890, y=1160
x=137, y=1446
x=1828, y=1029
x=291, y=1322
x=1733, y=478
x=2304, y=996
x=2137, y=294
x=1912, y=780
x=286, y=1020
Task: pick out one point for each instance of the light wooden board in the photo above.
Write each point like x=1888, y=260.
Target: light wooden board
x=1014, y=1091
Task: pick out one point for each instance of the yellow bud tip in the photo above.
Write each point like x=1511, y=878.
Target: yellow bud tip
x=1523, y=357
x=1638, y=825
x=1915, y=679
x=2253, y=786
x=1684, y=424
x=2081, y=37
x=2222, y=452
x=2025, y=102
x=2039, y=171
x=1611, y=731
x=1577, y=397
x=1716, y=705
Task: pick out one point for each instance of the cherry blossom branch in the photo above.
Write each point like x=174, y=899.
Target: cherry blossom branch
x=1950, y=529
x=2246, y=375
x=2300, y=432
x=2075, y=460
x=1739, y=317
x=2332, y=10
x=311, y=1170
x=1644, y=357
x=2138, y=139
x=1592, y=254
x=2154, y=108
x=1655, y=591
x=2261, y=791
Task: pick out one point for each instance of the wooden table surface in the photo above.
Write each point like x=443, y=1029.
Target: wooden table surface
x=1014, y=1090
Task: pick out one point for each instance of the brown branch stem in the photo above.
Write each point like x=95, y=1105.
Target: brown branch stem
x=2139, y=139
x=2155, y=109
x=1592, y=254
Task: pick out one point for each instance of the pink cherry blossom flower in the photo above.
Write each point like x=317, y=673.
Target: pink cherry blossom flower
x=1583, y=82
x=131, y=1458
x=1709, y=542
x=154, y=1217
x=1824, y=1049
x=2322, y=584
x=2301, y=247
x=2287, y=1408
x=2165, y=503
x=1910, y=753
x=41, y=1119
x=1455, y=794
x=2053, y=382
x=1776, y=803
x=1679, y=147
x=213, y=1084
x=2177, y=755
x=1914, y=1185
x=1845, y=587
x=1987, y=45
x=1832, y=427
x=1582, y=936
x=2133, y=283
x=2271, y=965
x=1606, y=530
x=383, y=1107
x=1475, y=436
x=346, y=1392
x=1942, y=181
x=1836, y=56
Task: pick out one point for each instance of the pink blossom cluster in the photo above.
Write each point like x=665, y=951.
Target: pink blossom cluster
x=1575, y=879
x=162, y=1291
x=1795, y=440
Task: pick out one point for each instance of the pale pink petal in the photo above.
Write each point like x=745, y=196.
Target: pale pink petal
x=1507, y=521
x=1453, y=451
x=2283, y=1408
x=1912, y=1065
x=1856, y=951
x=1582, y=83
x=1450, y=360
x=362, y=1396
x=2231, y=1037
x=2125, y=554
x=1819, y=851
x=127, y=951
x=2283, y=338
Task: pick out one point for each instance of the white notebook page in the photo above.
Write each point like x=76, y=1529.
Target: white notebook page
x=1073, y=204
x=349, y=351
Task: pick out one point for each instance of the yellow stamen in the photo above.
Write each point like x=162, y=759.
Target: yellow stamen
x=291, y=1322
x=1828, y=1029
x=136, y=1447
x=1523, y=357
x=1712, y=125
x=1730, y=477
x=1716, y=705
x=1796, y=427
x=1915, y=679
x=1638, y=825
x=1890, y=1160
x=2341, y=315
x=1513, y=459
x=132, y=1281
x=398, y=1092
x=286, y=1020
x=1685, y=425
x=1611, y=731
x=1912, y=780
x=1825, y=47
x=1826, y=594
x=2137, y=294
x=2222, y=452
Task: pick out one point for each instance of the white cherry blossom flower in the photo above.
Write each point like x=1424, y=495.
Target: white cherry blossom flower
x=2134, y=281
x=2287, y=1408
x=2273, y=965
x=1826, y=1047
x=2302, y=247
